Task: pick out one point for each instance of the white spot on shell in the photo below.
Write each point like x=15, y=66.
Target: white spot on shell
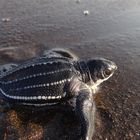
x=49, y=97
x=43, y=97
x=57, y=97
x=52, y=84
x=48, y=84
x=69, y=80
x=53, y=97
x=39, y=97
x=34, y=97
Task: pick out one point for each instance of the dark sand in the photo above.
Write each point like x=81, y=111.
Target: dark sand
x=111, y=30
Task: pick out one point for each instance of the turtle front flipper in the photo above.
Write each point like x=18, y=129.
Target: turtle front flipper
x=60, y=52
x=85, y=110
x=7, y=67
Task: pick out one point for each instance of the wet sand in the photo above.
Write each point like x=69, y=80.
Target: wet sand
x=111, y=30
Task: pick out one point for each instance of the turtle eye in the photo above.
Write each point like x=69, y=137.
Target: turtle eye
x=107, y=72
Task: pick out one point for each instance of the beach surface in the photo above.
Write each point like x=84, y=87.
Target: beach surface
x=97, y=28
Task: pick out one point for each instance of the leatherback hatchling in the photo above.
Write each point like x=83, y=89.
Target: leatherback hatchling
x=56, y=77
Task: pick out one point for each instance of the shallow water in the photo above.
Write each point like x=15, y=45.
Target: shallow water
x=111, y=30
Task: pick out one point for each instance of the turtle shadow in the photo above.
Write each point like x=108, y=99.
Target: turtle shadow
x=42, y=124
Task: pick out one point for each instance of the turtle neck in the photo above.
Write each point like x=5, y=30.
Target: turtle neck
x=82, y=67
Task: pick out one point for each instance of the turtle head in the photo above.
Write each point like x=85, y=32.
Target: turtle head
x=100, y=70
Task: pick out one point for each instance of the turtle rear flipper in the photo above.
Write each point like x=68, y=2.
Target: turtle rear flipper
x=59, y=52
x=85, y=110
x=7, y=67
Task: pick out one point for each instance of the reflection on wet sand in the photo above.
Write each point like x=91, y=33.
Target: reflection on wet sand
x=111, y=30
